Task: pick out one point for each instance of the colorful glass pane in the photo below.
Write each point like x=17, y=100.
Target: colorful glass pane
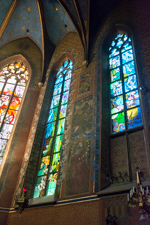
x=4, y=101
x=68, y=75
x=65, y=97
x=10, y=116
x=60, y=126
x=117, y=104
x=134, y=117
x=128, y=69
x=19, y=91
x=116, y=88
x=52, y=180
x=113, y=53
x=12, y=80
x=55, y=163
x=44, y=165
x=50, y=129
x=40, y=187
x=6, y=131
x=55, y=101
x=114, y=62
x=115, y=74
x=57, y=89
x=52, y=115
x=22, y=82
x=67, y=85
x=118, y=122
x=1, y=86
x=127, y=56
x=59, y=79
x=126, y=47
x=58, y=142
x=8, y=89
x=47, y=146
x=132, y=99
x=2, y=78
x=62, y=113
x=130, y=83
x=3, y=144
x=15, y=103
x=2, y=114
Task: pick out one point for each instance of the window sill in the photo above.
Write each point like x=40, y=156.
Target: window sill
x=41, y=200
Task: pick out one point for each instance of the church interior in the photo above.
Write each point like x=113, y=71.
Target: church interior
x=74, y=112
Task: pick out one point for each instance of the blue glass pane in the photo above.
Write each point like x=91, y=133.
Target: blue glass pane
x=119, y=43
x=70, y=66
x=115, y=74
x=50, y=129
x=132, y=99
x=64, y=72
x=52, y=115
x=130, y=83
x=117, y=104
x=59, y=79
x=55, y=101
x=60, y=70
x=113, y=53
x=116, y=88
x=66, y=63
x=68, y=75
x=66, y=85
x=118, y=122
x=57, y=89
x=118, y=36
x=127, y=56
x=126, y=47
x=114, y=62
x=128, y=69
x=134, y=117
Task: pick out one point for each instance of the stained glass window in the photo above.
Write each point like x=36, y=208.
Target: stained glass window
x=124, y=96
x=49, y=164
x=13, y=79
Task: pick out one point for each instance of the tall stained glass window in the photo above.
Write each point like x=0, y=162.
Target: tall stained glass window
x=49, y=165
x=13, y=80
x=124, y=96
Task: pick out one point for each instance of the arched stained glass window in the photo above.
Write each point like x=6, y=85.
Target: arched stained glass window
x=125, y=102
x=49, y=165
x=13, y=80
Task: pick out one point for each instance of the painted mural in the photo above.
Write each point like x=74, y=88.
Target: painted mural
x=84, y=83
x=78, y=171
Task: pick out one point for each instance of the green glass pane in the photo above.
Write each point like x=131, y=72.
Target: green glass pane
x=39, y=190
x=55, y=101
x=118, y=122
x=55, y=163
x=114, y=62
x=65, y=97
x=132, y=99
x=50, y=129
x=57, y=89
x=58, y=142
x=62, y=113
x=44, y=165
x=117, y=104
x=52, y=115
x=130, y=83
x=115, y=74
x=127, y=56
x=47, y=146
x=116, y=88
x=128, y=69
x=52, y=180
x=134, y=117
x=60, y=126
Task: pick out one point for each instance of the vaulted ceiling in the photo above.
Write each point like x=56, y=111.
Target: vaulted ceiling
x=47, y=21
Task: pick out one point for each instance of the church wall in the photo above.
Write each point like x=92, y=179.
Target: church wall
x=87, y=129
